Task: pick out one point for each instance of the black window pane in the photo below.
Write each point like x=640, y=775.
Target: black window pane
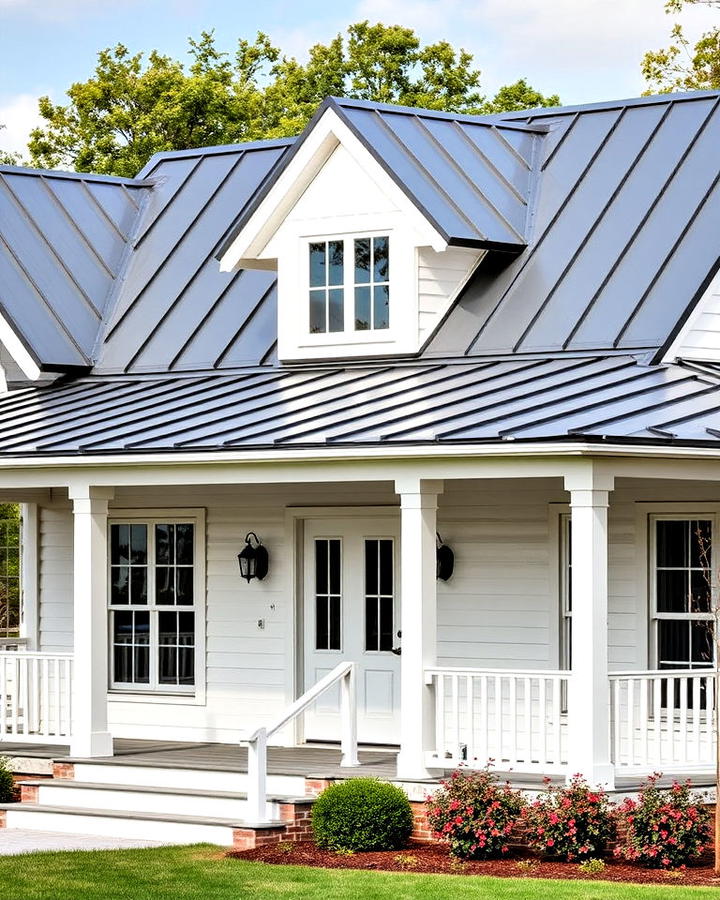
x=362, y=309
x=700, y=551
x=335, y=255
x=318, y=324
x=122, y=668
x=138, y=586
x=184, y=592
x=186, y=665
x=321, y=567
x=381, y=259
x=335, y=573
x=184, y=545
x=122, y=627
x=165, y=545
x=119, y=544
x=362, y=261
x=164, y=586
x=674, y=644
x=672, y=590
x=119, y=576
x=335, y=623
x=386, y=567
x=386, y=623
x=142, y=627
x=381, y=306
x=701, y=643
x=336, y=311
x=138, y=544
x=322, y=631
x=371, y=567
x=317, y=265
x=371, y=624
x=700, y=593
x=167, y=665
x=142, y=665
x=167, y=628
x=186, y=629
x=672, y=543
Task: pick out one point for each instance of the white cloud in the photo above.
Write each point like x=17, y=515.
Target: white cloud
x=19, y=115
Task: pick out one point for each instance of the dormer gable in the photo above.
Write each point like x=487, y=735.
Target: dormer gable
x=371, y=253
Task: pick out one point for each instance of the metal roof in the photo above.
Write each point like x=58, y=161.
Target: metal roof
x=624, y=234
x=63, y=239
x=593, y=398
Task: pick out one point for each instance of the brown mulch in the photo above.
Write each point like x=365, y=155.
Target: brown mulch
x=434, y=859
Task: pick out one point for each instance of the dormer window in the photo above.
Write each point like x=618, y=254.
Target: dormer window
x=353, y=297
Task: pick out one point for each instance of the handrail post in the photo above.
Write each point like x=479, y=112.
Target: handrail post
x=348, y=719
x=257, y=777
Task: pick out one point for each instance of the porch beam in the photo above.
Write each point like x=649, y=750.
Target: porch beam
x=589, y=690
x=418, y=527
x=90, y=736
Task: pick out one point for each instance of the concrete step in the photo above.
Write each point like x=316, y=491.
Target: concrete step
x=140, y=799
x=178, y=829
x=132, y=775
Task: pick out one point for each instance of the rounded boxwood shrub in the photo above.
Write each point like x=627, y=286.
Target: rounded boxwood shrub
x=362, y=814
x=7, y=785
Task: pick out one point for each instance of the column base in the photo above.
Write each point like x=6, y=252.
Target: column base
x=87, y=746
x=411, y=767
x=597, y=776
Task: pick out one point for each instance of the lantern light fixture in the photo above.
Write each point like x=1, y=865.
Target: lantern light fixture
x=445, y=560
x=253, y=560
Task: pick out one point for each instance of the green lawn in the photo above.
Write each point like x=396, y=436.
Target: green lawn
x=175, y=873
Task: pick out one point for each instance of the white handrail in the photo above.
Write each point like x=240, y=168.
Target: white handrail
x=257, y=744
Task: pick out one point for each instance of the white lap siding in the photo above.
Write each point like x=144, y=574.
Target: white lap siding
x=500, y=609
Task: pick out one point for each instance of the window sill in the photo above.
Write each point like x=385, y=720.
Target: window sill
x=197, y=698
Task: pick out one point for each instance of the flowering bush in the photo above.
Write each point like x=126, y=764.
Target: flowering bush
x=475, y=814
x=663, y=829
x=570, y=822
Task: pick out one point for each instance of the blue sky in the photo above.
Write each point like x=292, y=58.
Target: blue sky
x=582, y=49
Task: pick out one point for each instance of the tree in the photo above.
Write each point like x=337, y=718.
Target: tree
x=131, y=107
x=683, y=66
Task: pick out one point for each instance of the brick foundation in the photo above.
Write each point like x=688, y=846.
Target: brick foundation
x=3, y=817
x=421, y=829
x=29, y=793
x=315, y=785
x=294, y=826
x=64, y=771
x=250, y=838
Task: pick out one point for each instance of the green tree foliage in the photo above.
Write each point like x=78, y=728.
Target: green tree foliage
x=133, y=107
x=684, y=66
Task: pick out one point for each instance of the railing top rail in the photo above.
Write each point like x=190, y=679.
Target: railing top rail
x=509, y=673
x=31, y=654
x=663, y=673
x=309, y=697
x=13, y=642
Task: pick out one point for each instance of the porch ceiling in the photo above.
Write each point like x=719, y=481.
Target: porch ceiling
x=613, y=397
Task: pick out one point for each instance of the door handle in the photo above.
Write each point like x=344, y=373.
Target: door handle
x=397, y=650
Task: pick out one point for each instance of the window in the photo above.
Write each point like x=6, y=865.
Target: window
x=682, y=616
x=352, y=297
x=328, y=593
x=153, y=605
x=565, y=592
x=379, y=593
x=9, y=571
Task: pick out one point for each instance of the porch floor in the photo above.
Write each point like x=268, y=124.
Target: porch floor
x=306, y=760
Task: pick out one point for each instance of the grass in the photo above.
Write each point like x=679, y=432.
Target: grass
x=178, y=873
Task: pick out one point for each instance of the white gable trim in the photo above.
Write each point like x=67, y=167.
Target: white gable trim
x=248, y=250
x=699, y=338
x=16, y=349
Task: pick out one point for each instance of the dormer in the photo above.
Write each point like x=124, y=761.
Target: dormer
x=374, y=235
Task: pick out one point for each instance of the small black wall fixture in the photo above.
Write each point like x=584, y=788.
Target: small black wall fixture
x=445, y=560
x=253, y=560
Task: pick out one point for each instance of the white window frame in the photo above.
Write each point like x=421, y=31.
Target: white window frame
x=349, y=335
x=163, y=693
x=565, y=583
x=653, y=615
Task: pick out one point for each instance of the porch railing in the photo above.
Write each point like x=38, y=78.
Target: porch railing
x=663, y=719
x=515, y=719
x=35, y=696
x=344, y=673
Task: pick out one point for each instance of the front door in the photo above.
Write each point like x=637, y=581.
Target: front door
x=351, y=602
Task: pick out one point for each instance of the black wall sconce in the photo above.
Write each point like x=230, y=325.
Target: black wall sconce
x=445, y=560
x=253, y=560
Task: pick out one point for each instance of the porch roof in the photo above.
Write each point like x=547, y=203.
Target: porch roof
x=596, y=398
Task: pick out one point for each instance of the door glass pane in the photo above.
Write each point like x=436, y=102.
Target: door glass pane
x=379, y=598
x=328, y=599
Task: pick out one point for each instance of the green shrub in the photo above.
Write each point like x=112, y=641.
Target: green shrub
x=362, y=814
x=7, y=785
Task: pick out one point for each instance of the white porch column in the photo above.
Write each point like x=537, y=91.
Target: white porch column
x=90, y=735
x=589, y=691
x=418, y=511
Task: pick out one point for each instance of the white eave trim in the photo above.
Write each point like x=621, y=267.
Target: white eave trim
x=16, y=349
x=330, y=131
